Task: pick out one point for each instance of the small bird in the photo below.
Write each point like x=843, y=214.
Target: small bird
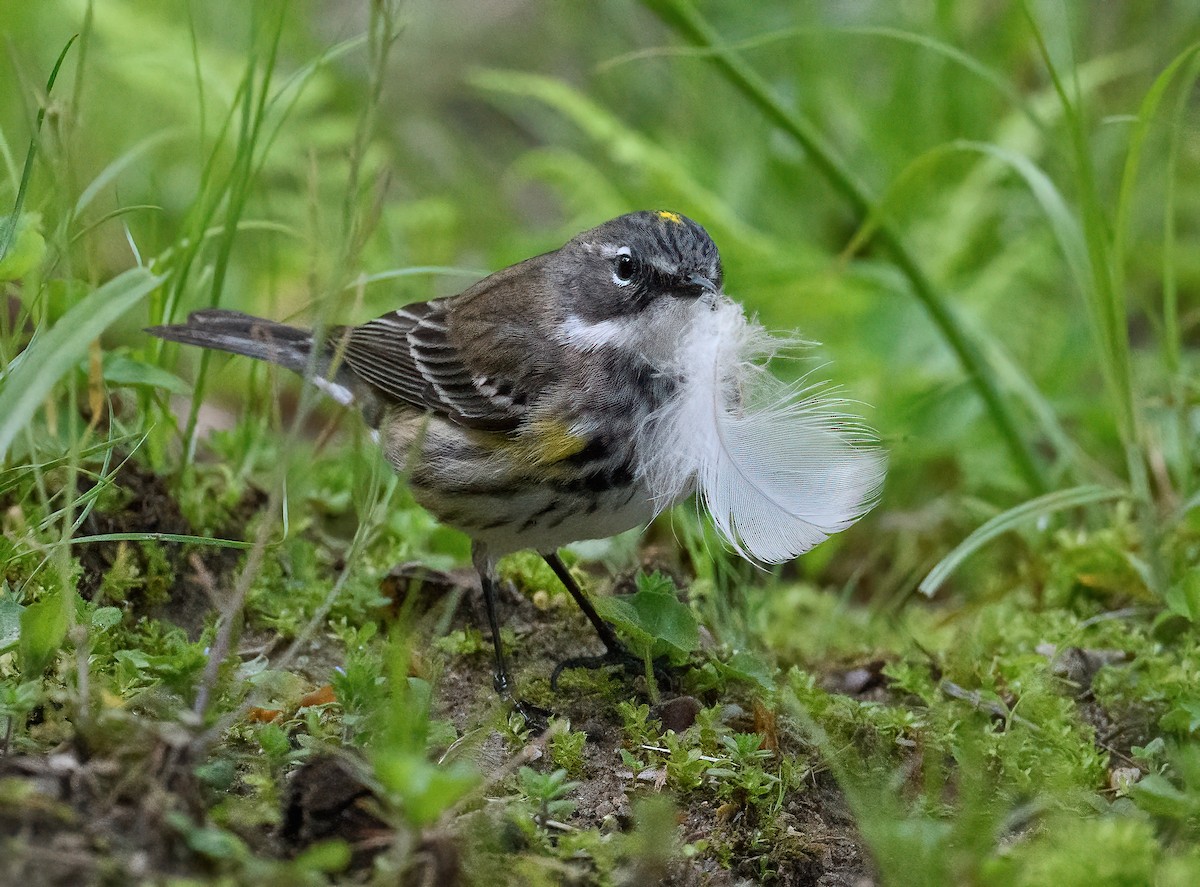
x=576, y=395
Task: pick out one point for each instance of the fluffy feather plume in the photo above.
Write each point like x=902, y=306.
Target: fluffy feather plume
x=778, y=467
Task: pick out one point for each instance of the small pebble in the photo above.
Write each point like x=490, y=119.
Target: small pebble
x=679, y=713
x=1121, y=779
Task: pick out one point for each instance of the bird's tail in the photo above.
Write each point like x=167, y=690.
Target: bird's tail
x=288, y=346
x=240, y=333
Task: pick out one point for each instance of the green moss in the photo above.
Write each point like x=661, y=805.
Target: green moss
x=1114, y=851
x=566, y=750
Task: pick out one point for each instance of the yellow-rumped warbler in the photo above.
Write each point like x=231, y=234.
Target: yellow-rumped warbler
x=577, y=394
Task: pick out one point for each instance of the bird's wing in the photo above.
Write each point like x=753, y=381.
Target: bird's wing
x=409, y=356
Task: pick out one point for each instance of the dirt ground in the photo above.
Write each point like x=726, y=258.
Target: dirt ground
x=112, y=815
x=120, y=802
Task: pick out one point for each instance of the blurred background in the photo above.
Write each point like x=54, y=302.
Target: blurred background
x=364, y=172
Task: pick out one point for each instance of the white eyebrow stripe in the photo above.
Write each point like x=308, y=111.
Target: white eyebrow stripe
x=589, y=336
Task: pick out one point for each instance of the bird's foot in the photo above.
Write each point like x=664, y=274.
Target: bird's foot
x=536, y=718
x=617, y=656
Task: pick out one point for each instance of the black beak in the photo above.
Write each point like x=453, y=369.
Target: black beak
x=695, y=285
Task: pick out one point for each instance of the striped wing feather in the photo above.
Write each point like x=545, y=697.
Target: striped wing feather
x=408, y=356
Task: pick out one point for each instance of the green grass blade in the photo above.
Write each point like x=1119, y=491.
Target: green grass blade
x=253, y=109
x=626, y=146
x=161, y=537
x=116, y=167
x=684, y=18
x=1106, y=295
x=414, y=271
x=114, y=214
x=9, y=231
x=921, y=41
x=1172, y=338
x=1008, y=520
x=1063, y=223
x=1071, y=243
x=1172, y=344
x=10, y=164
x=1137, y=141
x=32, y=376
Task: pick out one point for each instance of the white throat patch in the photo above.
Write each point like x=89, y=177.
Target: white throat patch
x=587, y=336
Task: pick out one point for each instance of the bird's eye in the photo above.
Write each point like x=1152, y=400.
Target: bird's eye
x=625, y=268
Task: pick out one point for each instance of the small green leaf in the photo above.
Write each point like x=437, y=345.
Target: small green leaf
x=620, y=613
x=135, y=659
x=43, y=628
x=27, y=249
x=35, y=372
x=10, y=624
x=1183, y=718
x=668, y=620
x=653, y=619
x=752, y=669
x=327, y=856
x=1183, y=597
x=425, y=790
x=218, y=774
x=1154, y=794
x=208, y=840
x=18, y=700
x=275, y=742
x=105, y=618
x=122, y=370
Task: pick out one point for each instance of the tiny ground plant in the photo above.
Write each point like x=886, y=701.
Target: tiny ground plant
x=547, y=793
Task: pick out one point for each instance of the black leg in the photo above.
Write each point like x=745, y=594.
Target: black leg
x=500, y=678
x=535, y=716
x=614, y=651
x=607, y=636
x=487, y=579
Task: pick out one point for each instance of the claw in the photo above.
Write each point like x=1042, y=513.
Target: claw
x=536, y=718
x=588, y=662
x=617, y=656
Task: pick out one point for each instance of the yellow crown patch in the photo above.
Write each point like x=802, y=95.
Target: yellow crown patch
x=669, y=216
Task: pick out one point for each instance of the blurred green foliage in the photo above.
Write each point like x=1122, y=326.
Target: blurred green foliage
x=501, y=132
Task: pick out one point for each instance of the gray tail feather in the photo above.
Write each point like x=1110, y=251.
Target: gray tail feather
x=287, y=346
x=241, y=333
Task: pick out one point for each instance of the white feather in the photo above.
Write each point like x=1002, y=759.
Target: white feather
x=340, y=393
x=778, y=467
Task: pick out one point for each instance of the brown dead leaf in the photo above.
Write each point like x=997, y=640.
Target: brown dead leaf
x=323, y=695
x=258, y=715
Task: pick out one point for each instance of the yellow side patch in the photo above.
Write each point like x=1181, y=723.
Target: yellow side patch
x=669, y=216
x=548, y=441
